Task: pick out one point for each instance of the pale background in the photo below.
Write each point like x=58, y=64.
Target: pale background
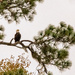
x=48, y=12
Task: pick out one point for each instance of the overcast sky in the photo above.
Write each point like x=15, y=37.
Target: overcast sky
x=48, y=12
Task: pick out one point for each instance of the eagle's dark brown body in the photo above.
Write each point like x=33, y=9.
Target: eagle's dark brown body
x=17, y=37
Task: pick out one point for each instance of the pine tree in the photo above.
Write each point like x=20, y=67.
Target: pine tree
x=46, y=46
x=13, y=10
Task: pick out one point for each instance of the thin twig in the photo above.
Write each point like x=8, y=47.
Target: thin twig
x=11, y=40
x=45, y=69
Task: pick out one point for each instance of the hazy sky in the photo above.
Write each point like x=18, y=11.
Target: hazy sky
x=48, y=12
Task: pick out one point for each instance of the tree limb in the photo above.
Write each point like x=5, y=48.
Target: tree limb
x=27, y=41
x=11, y=40
x=13, y=44
x=23, y=46
x=45, y=69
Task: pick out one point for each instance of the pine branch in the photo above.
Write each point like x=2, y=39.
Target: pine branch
x=45, y=69
x=13, y=44
x=22, y=46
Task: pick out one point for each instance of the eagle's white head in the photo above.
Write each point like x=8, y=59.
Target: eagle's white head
x=17, y=30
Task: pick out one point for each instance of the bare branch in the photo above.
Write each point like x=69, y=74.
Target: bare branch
x=11, y=40
x=45, y=69
x=6, y=43
x=13, y=44
x=23, y=46
x=27, y=41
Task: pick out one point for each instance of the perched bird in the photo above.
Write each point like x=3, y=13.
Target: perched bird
x=17, y=36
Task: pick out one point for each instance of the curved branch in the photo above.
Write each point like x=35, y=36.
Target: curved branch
x=23, y=46
x=6, y=43
x=45, y=69
x=27, y=41
x=13, y=44
x=11, y=40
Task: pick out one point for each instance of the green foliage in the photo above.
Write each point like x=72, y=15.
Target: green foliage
x=1, y=32
x=17, y=72
x=50, y=73
x=63, y=64
x=52, y=45
x=47, y=50
x=1, y=28
x=13, y=10
x=62, y=54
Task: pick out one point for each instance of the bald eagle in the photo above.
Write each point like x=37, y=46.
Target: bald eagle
x=17, y=36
